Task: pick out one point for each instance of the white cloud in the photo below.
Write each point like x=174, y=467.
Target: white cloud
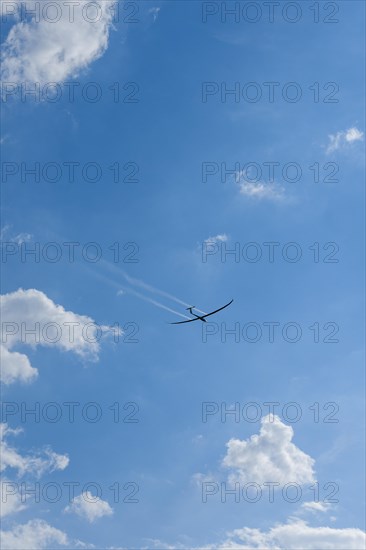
x=11, y=499
x=16, y=367
x=353, y=134
x=314, y=506
x=22, y=238
x=295, y=535
x=26, y=310
x=34, y=535
x=4, y=230
x=340, y=140
x=269, y=457
x=199, y=479
x=36, y=464
x=221, y=238
x=19, y=239
x=260, y=190
x=251, y=186
x=89, y=507
x=48, y=51
x=154, y=12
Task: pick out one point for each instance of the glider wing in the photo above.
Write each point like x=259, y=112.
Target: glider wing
x=216, y=310
x=202, y=316
x=188, y=321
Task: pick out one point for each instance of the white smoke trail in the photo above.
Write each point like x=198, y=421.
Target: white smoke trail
x=138, y=294
x=137, y=282
x=154, y=302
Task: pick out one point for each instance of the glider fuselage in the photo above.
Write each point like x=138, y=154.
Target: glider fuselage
x=195, y=314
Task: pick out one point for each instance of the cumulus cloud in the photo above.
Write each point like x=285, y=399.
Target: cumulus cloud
x=36, y=464
x=269, y=456
x=89, y=507
x=34, y=535
x=47, y=51
x=272, y=456
x=353, y=134
x=342, y=139
x=15, y=367
x=30, y=310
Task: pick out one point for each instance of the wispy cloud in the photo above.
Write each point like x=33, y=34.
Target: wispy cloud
x=155, y=12
x=221, y=238
x=342, y=139
x=36, y=464
x=19, y=238
x=257, y=189
x=260, y=190
x=315, y=507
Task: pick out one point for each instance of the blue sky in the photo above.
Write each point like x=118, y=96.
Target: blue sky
x=173, y=229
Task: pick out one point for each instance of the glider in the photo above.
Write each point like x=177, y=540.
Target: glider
x=200, y=317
